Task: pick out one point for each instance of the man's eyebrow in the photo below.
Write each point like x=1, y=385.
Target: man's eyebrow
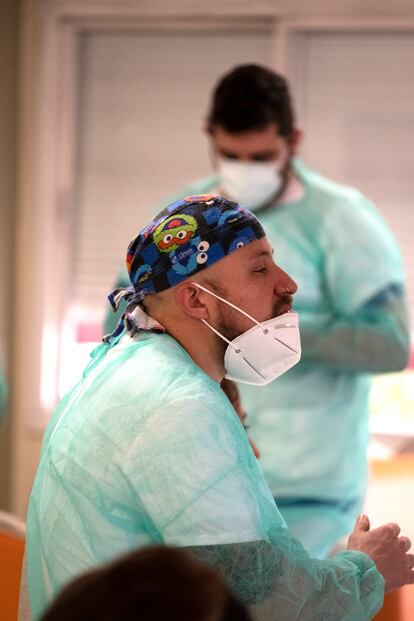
x=262, y=253
x=256, y=154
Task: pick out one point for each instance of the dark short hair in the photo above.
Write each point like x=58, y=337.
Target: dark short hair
x=251, y=97
x=152, y=584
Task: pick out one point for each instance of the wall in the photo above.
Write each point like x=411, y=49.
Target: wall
x=8, y=137
x=25, y=444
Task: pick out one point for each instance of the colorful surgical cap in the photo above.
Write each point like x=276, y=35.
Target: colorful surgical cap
x=183, y=239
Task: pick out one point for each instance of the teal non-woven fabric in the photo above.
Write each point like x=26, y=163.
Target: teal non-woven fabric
x=147, y=449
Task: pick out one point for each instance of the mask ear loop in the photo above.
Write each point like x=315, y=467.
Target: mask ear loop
x=236, y=349
x=265, y=330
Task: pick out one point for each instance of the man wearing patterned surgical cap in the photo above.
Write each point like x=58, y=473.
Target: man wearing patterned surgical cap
x=185, y=238
x=147, y=449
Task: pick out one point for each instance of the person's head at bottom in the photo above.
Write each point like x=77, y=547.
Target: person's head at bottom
x=152, y=584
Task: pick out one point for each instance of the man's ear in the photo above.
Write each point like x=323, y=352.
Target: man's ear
x=295, y=140
x=208, y=129
x=191, y=300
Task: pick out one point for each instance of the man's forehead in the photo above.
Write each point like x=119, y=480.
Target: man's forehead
x=259, y=248
x=268, y=133
x=239, y=258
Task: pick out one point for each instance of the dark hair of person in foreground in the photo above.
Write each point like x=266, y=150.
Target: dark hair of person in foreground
x=152, y=584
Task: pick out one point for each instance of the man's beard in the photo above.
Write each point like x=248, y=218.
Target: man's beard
x=230, y=319
x=228, y=324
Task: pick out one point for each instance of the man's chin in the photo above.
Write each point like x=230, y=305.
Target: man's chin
x=284, y=309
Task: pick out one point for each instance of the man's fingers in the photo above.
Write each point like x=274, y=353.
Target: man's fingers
x=410, y=560
x=362, y=523
x=389, y=531
x=393, y=528
x=404, y=543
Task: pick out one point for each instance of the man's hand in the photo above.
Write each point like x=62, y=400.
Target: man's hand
x=233, y=395
x=386, y=549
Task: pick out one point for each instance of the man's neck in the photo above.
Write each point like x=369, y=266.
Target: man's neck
x=293, y=190
x=202, y=348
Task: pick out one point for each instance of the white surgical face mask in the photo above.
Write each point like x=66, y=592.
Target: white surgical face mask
x=252, y=184
x=264, y=352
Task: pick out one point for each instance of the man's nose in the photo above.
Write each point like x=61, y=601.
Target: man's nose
x=285, y=285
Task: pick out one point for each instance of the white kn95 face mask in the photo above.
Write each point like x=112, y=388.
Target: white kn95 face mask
x=264, y=352
x=252, y=184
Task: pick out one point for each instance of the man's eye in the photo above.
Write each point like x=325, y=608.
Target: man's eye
x=262, y=158
x=262, y=270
